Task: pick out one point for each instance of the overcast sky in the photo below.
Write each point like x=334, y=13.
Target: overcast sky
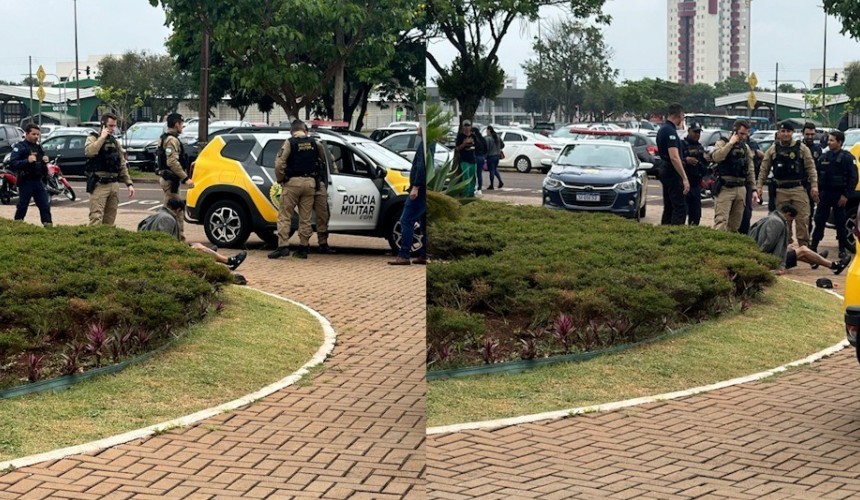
x=793, y=37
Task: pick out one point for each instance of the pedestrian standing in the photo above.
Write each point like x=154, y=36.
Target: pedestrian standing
x=837, y=179
x=106, y=167
x=672, y=173
x=480, y=158
x=30, y=164
x=414, y=210
x=495, y=145
x=696, y=166
x=297, y=169
x=172, y=164
x=791, y=162
x=465, y=145
x=734, y=171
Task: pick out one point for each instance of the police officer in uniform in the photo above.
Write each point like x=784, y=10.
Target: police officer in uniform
x=757, y=156
x=791, y=162
x=172, y=163
x=30, y=164
x=321, y=208
x=696, y=166
x=837, y=178
x=734, y=172
x=816, y=150
x=297, y=169
x=672, y=173
x=106, y=166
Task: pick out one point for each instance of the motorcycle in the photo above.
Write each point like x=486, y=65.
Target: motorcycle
x=56, y=183
x=8, y=186
x=708, y=184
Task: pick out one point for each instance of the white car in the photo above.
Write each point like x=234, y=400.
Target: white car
x=404, y=143
x=189, y=133
x=403, y=125
x=524, y=150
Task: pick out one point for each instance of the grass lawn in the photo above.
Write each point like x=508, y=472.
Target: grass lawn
x=790, y=321
x=139, y=174
x=254, y=341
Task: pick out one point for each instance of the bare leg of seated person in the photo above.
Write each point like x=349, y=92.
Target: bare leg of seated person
x=805, y=254
x=231, y=262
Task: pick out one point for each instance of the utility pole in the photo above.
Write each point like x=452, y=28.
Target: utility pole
x=77, y=80
x=203, y=129
x=824, y=76
x=31, y=88
x=776, y=97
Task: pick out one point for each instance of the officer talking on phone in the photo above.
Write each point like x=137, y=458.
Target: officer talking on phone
x=106, y=167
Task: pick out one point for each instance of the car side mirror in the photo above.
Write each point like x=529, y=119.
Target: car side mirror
x=380, y=172
x=403, y=154
x=645, y=167
x=546, y=162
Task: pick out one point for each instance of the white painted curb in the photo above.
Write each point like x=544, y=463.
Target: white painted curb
x=617, y=405
x=319, y=357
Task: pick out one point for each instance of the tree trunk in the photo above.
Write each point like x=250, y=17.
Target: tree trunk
x=339, y=77
x=359, y=123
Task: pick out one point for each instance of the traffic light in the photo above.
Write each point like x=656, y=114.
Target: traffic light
x=88, y=71
x=835, y=77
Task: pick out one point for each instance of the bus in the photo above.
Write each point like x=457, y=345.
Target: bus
x=725, y=122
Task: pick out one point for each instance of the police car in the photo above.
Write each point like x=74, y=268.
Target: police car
x=235, y=192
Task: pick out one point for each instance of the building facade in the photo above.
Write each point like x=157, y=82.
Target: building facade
x=507, y=108
x=708, y=40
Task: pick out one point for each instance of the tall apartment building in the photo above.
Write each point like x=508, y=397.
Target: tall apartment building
x=708, y=40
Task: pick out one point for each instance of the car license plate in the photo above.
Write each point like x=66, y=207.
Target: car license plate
x=587, y=196
x=132, y=157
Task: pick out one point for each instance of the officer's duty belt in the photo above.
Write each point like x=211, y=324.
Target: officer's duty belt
x=733, y=182
x=107, y=180
x=788, y=184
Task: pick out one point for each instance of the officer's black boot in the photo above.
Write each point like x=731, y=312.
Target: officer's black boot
x=302, y=252
x=280, y=252
x=324, y=248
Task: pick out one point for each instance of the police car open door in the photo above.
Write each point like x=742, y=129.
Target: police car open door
x=354, y=196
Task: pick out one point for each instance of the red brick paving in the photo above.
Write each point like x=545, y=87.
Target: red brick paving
x=355, y=431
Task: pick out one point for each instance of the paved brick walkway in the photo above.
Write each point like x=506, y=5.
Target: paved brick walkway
x=794, y=436
x=355, y=431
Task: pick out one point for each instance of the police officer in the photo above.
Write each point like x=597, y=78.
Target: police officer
x=321, y=208
x=297, y=169
x=837, y=178
x=172, y=163
x=106, y=166
x=791, y=162
x=748, y=208
x=696, y=166
x=672, y=173
x=30, y=164
x=734, y=172
x=816, y=150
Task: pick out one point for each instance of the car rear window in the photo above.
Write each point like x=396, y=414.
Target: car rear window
x=270, y=152
x=238, y=150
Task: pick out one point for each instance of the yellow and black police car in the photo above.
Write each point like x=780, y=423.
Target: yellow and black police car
x=235, y=191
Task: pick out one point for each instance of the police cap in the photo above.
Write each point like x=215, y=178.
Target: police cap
x=786, y=125
x=695, y=127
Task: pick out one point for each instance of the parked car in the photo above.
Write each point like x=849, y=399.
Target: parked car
x=381, y=133
x=45, y=130
x=404, y=144
x=644, y=143
x=137, y=141
x=9, y=136
x=760, y=135
x=70, y=148
x=524, y=150
x=407, y=124
x=597, y=176
x=189, y=133
x=234, y=191
x=73, y=130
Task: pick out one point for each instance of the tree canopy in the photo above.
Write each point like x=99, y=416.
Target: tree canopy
x=848, y=12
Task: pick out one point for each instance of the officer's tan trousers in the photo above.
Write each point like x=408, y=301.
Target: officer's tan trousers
x=321, y=209
x=729, y=208
x=298, y=192
x=165, y=186
x=104, y=201
x=799, y=199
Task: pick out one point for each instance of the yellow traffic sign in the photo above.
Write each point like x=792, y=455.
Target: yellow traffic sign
x=40, y=93
x=751, y=100
x=40, y=74
x=753, y=81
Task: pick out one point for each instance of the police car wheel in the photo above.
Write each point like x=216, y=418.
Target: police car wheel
x=523, y=164
x=850, y=225
x=394, y=238
x=226, y=224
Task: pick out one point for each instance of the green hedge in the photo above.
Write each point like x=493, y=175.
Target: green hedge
x=56, y=282
x=532, y=264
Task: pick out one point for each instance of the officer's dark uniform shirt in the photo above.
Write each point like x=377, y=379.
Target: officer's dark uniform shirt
x=694, y=149
x=19, y=161
x=467, y=154
x=667, y=137
x=837, y=172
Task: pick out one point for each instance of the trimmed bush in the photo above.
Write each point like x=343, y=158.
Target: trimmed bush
x=58, y=282
x=618, y=279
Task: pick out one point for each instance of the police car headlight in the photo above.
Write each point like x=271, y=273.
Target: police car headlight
x=629, y=185
x=552, y=184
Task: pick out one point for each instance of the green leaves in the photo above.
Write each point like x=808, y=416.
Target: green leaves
x=848, y=11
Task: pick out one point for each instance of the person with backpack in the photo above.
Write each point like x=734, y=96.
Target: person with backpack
x=166, y=220
x=495, y=145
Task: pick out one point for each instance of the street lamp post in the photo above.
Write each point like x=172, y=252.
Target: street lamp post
x=77, y=69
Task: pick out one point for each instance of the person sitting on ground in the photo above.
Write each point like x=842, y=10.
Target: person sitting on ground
x=771, y=234
x=166, y=220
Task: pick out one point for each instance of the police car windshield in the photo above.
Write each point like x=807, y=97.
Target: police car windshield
x=384, y=156
x=595, y=156
x=147, y=132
